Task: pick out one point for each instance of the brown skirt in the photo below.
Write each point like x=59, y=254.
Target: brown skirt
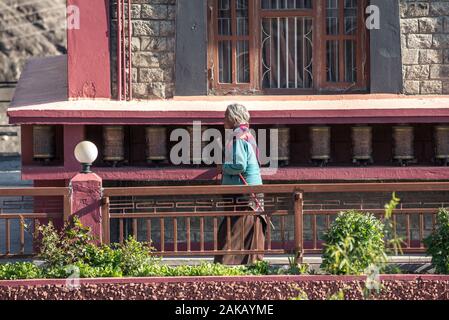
x=247, y=233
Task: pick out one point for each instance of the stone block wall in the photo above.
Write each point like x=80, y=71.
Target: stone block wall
x=9, y=134
x=153, y=46
x=425, y=46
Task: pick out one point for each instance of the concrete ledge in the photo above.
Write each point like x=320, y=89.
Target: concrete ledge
x=394, y=287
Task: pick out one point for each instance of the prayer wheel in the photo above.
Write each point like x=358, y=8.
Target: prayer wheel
x=156, y=144
x=114, y=144
x=283, y=146
x=403, y=138
x=362, y=146
x=196, y=157
x=320, y=137
x=442, y=144
x=44, y=142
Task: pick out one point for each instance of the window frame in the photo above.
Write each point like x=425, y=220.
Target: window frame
x=362, y=52
x=214, y=37
x=319, y=37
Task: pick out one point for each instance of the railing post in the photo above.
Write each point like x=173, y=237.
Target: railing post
x=105, y=221
x=298, y=207
x=67, y=207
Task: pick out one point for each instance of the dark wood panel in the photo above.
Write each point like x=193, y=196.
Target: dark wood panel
x=191, y=48
x=385, y=51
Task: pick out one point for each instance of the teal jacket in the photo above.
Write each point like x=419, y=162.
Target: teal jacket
x=244, y=162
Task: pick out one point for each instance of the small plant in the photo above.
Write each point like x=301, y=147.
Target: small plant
x=134, y=257
x=295, y=268
x=438, y=243
x=68, y=246
x=394, y=243
x=19, y=270
x=205, y=269
x=259, y=268
x=354, y=242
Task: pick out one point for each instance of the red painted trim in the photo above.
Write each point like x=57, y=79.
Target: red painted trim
x=303, y=97
x=98, y=117
x=284, y=174
x=250, y=279
x=88, y=51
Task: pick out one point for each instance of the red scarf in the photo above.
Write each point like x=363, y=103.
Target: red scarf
x=243, y=132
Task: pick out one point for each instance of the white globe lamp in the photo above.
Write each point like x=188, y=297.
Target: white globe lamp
x=86, y=153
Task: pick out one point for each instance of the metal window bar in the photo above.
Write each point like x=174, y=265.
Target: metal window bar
x=276, y=42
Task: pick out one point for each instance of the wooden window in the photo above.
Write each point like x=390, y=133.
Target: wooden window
x=287, y=46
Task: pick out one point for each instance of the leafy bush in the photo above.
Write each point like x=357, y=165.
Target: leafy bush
x=74, y=246
x=354, y=242
x=134, y=257
x=259, y=267
x=74, y=243
x=19, y=270
x=205, y=269
x=438, y=242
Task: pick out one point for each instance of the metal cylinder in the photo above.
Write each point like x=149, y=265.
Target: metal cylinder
x=196, y=157
x=44, y=145
x=362, y=146
x=284, y=145
x=320, y=137
x=403, y=138
x=442, y=142
x=156, y=143
x=113, y=143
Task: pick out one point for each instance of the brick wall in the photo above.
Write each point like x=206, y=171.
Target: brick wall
x=425, y=46
x=153, y=44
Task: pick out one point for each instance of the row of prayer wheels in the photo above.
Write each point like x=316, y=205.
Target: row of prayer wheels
x=114, y=144
x=362, y=149
x=156, y=150
x=362, y=144
x=157, y=146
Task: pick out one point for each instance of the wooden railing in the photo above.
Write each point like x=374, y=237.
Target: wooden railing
x=185, y=221
x=21, y=209
x=143, y=212
x=164, y=209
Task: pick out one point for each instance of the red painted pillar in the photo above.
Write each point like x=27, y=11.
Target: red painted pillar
x=86, y=201
x=88, y=56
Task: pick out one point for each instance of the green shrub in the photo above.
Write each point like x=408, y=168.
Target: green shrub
x=72, y=244
x=106, y=271
x=102, y=255
x=259, y=268
x=134, y=257
x=205, y=269
x=354, y=242
x=19, y=270
x=438, y=243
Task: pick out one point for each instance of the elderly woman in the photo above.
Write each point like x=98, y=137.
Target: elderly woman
x=242, y=167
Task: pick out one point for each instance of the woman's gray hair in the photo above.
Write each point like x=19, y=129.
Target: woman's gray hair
x=237, y=114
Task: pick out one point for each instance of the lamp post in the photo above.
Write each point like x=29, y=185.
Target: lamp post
x=86, y=192
x=86, y=153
